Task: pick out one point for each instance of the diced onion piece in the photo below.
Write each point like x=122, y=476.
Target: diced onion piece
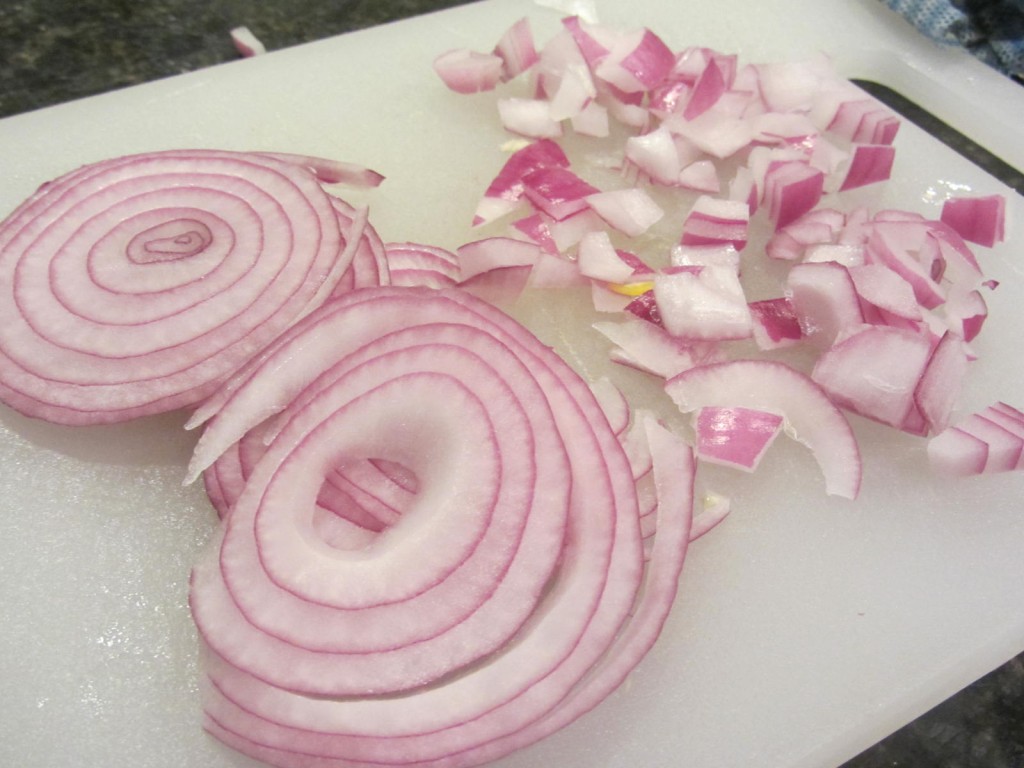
x=792, y=189
x=637, y=62
x=506, y=190
x=810, y=416
x=713, y=221
x=775, y=323
x=980, y=220
x=824, y=299
x=987, y=441
x=656, y=154
x=874, y=371
x=529, y=117
x=870, y=164
x=599, y=260
x=706, y=91
x=703, y=303
x=701, y=176
x=557, y=191
x=937, y=391
x=647, y=347
x=714, y=509
x=465, y=71
x=246, y=43
x=516, y=49
x=735, y=436
x=705, y=256
x=885, y=289
x=631, y=211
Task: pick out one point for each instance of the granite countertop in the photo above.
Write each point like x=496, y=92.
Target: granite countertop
x=56, y=50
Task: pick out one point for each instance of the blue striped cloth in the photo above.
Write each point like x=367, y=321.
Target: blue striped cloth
x=993, y=30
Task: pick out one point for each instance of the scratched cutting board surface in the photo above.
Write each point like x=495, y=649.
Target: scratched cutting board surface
x=806, y=628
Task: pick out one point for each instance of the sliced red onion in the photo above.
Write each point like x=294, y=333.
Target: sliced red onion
x=966, y=312
x=810, y=416
x=977, y=219
x=735, y=436
x=246, y=43
x=864, y=120
x=613, y=403
x=369, y=265
x=412, y=264
x=537, y=228
x=466, y=71
x=331, y=171
x=788, y=86
x=135, y=285
x=579, y=638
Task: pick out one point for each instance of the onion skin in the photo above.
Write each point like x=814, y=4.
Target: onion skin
x=136, y=285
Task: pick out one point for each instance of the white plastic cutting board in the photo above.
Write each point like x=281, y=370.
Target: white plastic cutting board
x=806, y=628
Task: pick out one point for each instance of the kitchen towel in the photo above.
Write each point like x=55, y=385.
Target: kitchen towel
x=992, y=30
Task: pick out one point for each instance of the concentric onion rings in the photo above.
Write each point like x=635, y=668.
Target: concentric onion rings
x=135, y=285
x=535, y=592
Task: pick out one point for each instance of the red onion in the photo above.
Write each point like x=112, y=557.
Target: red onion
x=412, y=264
x=466, y=71
x=525, y=479
x=978, y=219
x=764, y=385
x=733, y=436
x=990, y=440
x=246, y=43
x=135, y=285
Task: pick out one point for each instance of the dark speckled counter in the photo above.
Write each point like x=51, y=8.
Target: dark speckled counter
x=53, y=51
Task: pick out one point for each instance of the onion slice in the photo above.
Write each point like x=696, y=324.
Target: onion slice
x=525, y=523
x=136, y=285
